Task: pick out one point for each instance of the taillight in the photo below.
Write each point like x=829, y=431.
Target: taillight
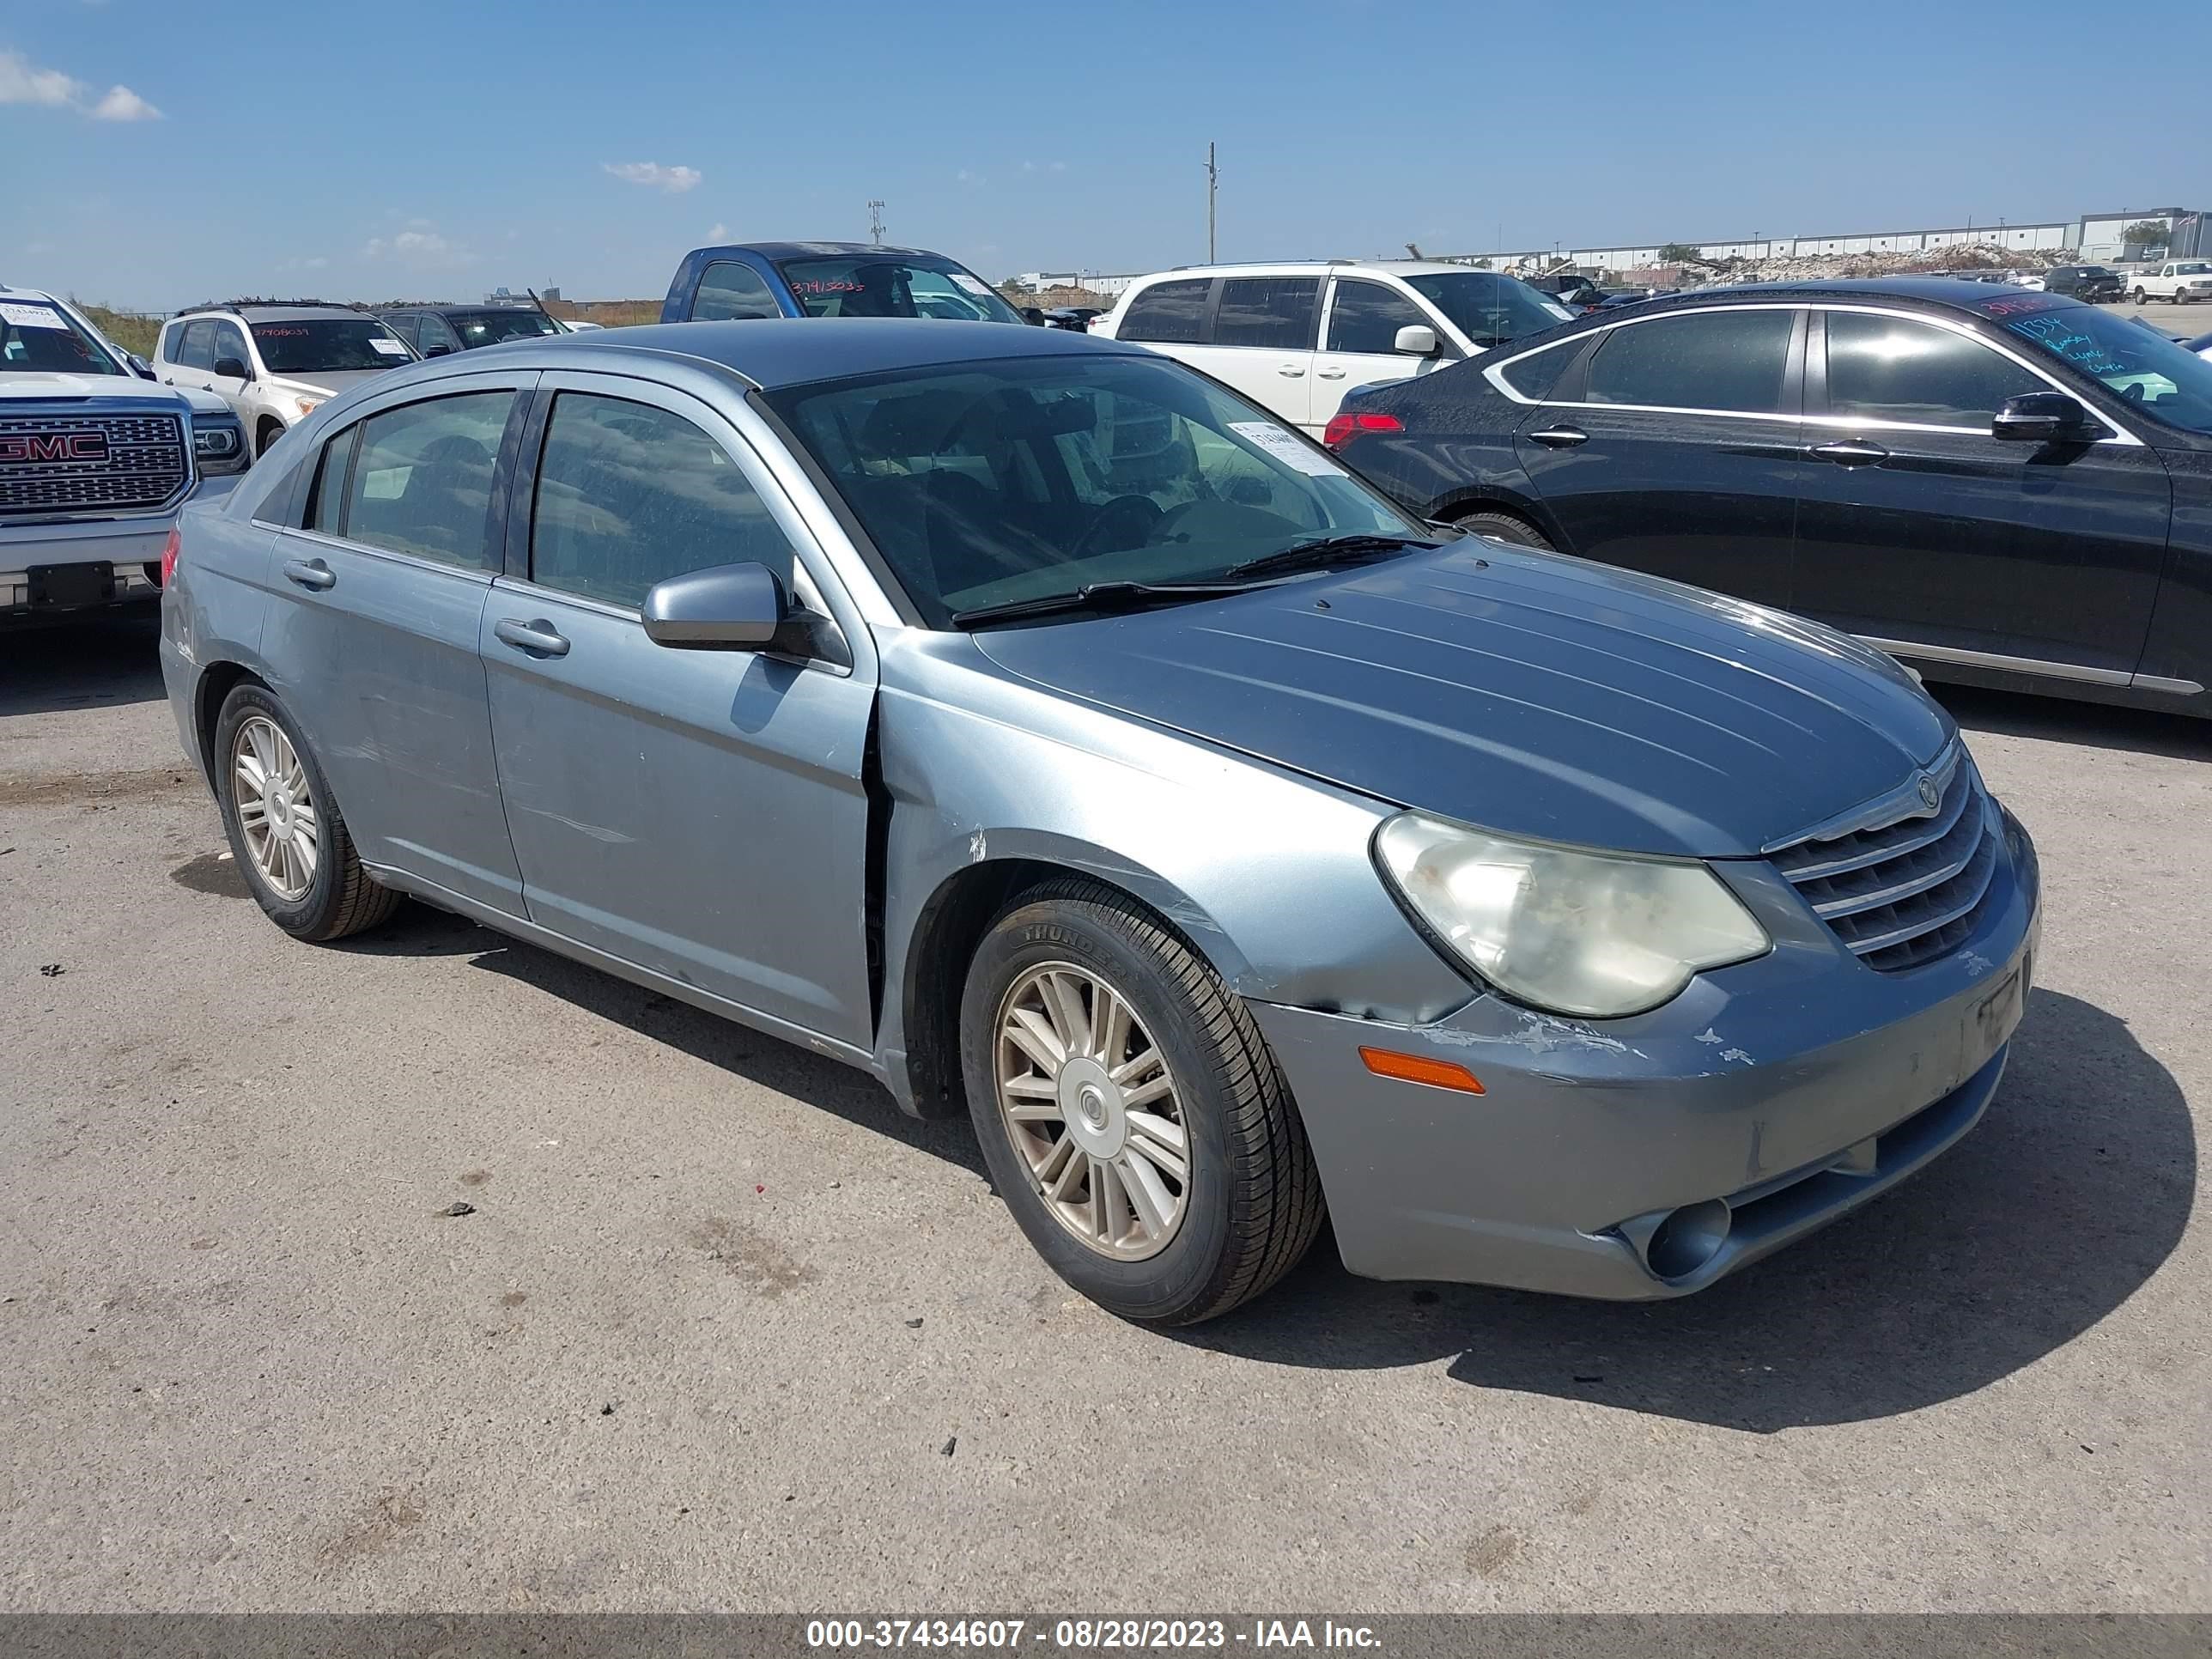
x=170, y=548
x=1342, y=428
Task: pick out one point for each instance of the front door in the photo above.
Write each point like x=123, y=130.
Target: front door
x=373, y=643
x=1359, y=342
x=698, y=813
x=1917, y=527
x=1675, y=449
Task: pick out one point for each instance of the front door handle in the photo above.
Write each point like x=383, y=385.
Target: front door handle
x=1331, y=374
x=1291, y=371
x=1851, y=451
x=1559, y=437
x=540, y=638
x=310, y=573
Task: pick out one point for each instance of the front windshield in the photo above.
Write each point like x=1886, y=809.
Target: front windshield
x=483, y=328
x=2161, y=378
x=328, y=345
x=989, y=484
x=1489, y=309
x=893, y=285
x=37, y=338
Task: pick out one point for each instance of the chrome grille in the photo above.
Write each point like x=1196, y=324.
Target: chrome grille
x=145, y=465
x=1906, y=889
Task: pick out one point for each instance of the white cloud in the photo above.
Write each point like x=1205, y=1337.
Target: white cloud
x=967, y=177
x=419, y=250
x=719, y=234
x=122, y=103
x=23, y=81
x=674, y=180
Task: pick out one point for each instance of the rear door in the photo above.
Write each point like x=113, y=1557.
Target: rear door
x=697, y=813
x=382, y=582
x=1259, y=340
x=1917, y=528
x=194, y=362
x=1674, y=447
x=1358, y=342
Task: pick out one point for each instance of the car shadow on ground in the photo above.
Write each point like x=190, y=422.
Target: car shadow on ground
x=2061, y=719
x=84, y=665
x=841, y=1090
x=2059, y=1205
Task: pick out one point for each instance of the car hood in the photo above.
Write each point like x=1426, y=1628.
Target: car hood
x=20, y=385
x=1530, y=694
x=330, y=383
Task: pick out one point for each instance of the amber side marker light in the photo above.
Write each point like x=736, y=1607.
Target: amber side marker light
x=1418, y=1068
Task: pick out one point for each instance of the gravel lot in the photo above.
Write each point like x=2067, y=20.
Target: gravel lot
x=725, y=1331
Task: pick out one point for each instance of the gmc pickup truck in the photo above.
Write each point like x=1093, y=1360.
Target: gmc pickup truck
x=95, y=459
x=2178, y=280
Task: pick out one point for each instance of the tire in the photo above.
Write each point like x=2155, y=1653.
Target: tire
x=334, y=897
x=1504, y=527
x=1250, y=1196
x=270, y=432
x=2142, y=297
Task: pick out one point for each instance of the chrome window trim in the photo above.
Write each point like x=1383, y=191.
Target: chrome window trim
x=1495, y=373
x=2057, y=671
x=390, y=555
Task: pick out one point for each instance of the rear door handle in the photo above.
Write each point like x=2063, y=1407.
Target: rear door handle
x=1851, y=452
x=310, y=573
x=1560, y=437
x=540, y=638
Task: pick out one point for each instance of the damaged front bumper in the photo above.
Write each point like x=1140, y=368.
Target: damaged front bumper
x=1647, y=1157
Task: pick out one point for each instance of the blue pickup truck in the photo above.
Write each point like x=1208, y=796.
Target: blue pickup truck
x=827, y=279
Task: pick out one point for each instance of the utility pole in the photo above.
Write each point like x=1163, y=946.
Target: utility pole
x=876, y=222
x=1213, y=185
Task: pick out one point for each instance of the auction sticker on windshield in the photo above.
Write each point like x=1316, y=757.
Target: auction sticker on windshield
x=388, y=348
x=973, y=284
x=1285, y=447
x=31, y=316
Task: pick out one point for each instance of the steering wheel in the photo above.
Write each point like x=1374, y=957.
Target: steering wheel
x=1133, y=517
x=2132, y=393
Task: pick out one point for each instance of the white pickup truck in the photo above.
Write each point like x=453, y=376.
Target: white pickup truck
x=95, y=459
x=2178, y=279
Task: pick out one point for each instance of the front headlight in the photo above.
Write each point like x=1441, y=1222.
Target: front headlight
x=218, y=446
x=1597, y=934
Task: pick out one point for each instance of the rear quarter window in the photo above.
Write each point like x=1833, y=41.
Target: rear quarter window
x=1534, y=375
x=1173, y=313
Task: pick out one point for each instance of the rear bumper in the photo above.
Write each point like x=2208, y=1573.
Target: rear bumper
x=1643, y=1158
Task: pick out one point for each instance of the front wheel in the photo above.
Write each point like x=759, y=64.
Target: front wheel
x=2142, y=297
x=1130, y=1111
x=283, y=827
x=1504, y=527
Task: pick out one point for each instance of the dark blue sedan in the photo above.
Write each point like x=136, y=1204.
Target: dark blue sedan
x=743, y=280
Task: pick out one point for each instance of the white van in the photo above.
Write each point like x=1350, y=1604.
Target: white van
x=1294, y=337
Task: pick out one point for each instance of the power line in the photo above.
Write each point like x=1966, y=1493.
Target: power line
x=876, y=222
x=1213, y=185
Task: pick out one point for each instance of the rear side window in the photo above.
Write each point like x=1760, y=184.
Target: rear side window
x=422, y=482
x=731, y=290
x=1273, y=312
x=1886, y=368
x=1730, y=360
x=326, y=504
x=1367, y=316
x=629, y=494
x=1173, y=313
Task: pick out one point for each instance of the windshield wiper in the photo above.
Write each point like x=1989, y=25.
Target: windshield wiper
x=1098, y=596
x=1327, y=550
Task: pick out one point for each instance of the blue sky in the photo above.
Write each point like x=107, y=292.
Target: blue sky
x=160, y=153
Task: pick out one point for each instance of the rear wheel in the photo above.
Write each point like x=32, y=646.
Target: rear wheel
x=1504, y=527
x=1129, y=1110
x=284, y=829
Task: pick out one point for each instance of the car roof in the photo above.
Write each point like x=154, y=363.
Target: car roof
x=39, y=294
x=445, y=307
x=270, y=314
x=781, y=352
x=802, y=250
x=1951, y=291
x=1300, y=267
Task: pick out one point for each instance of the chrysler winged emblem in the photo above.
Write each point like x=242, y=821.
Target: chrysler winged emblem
x=1930, y=797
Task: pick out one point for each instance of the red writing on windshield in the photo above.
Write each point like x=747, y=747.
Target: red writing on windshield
x=271, y=332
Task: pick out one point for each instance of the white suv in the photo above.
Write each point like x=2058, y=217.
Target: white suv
x=274, y=363
x=1294, y=337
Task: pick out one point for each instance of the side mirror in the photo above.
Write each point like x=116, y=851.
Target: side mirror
x=1416, y=340
x=438, y=351
x=232, y=368
x=140, y=366
x=2046, y=417
x=728, y=607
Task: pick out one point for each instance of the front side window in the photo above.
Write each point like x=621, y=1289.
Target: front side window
x=229, y=341
x=629, y=494
x=1489, y=309
x=199, y=349
x=405, y=324
x=2149, y=372
x=1171, y=313
x=731, y=290
x=1886, y=368
x=1029, y=478
x=328, y=345
x=490, y=327
x=1367, y=316
x=1273, y=312
x=433, y=335
x=36, y=338
x=422, y=482
x=893, y=285
x=1718, y=360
